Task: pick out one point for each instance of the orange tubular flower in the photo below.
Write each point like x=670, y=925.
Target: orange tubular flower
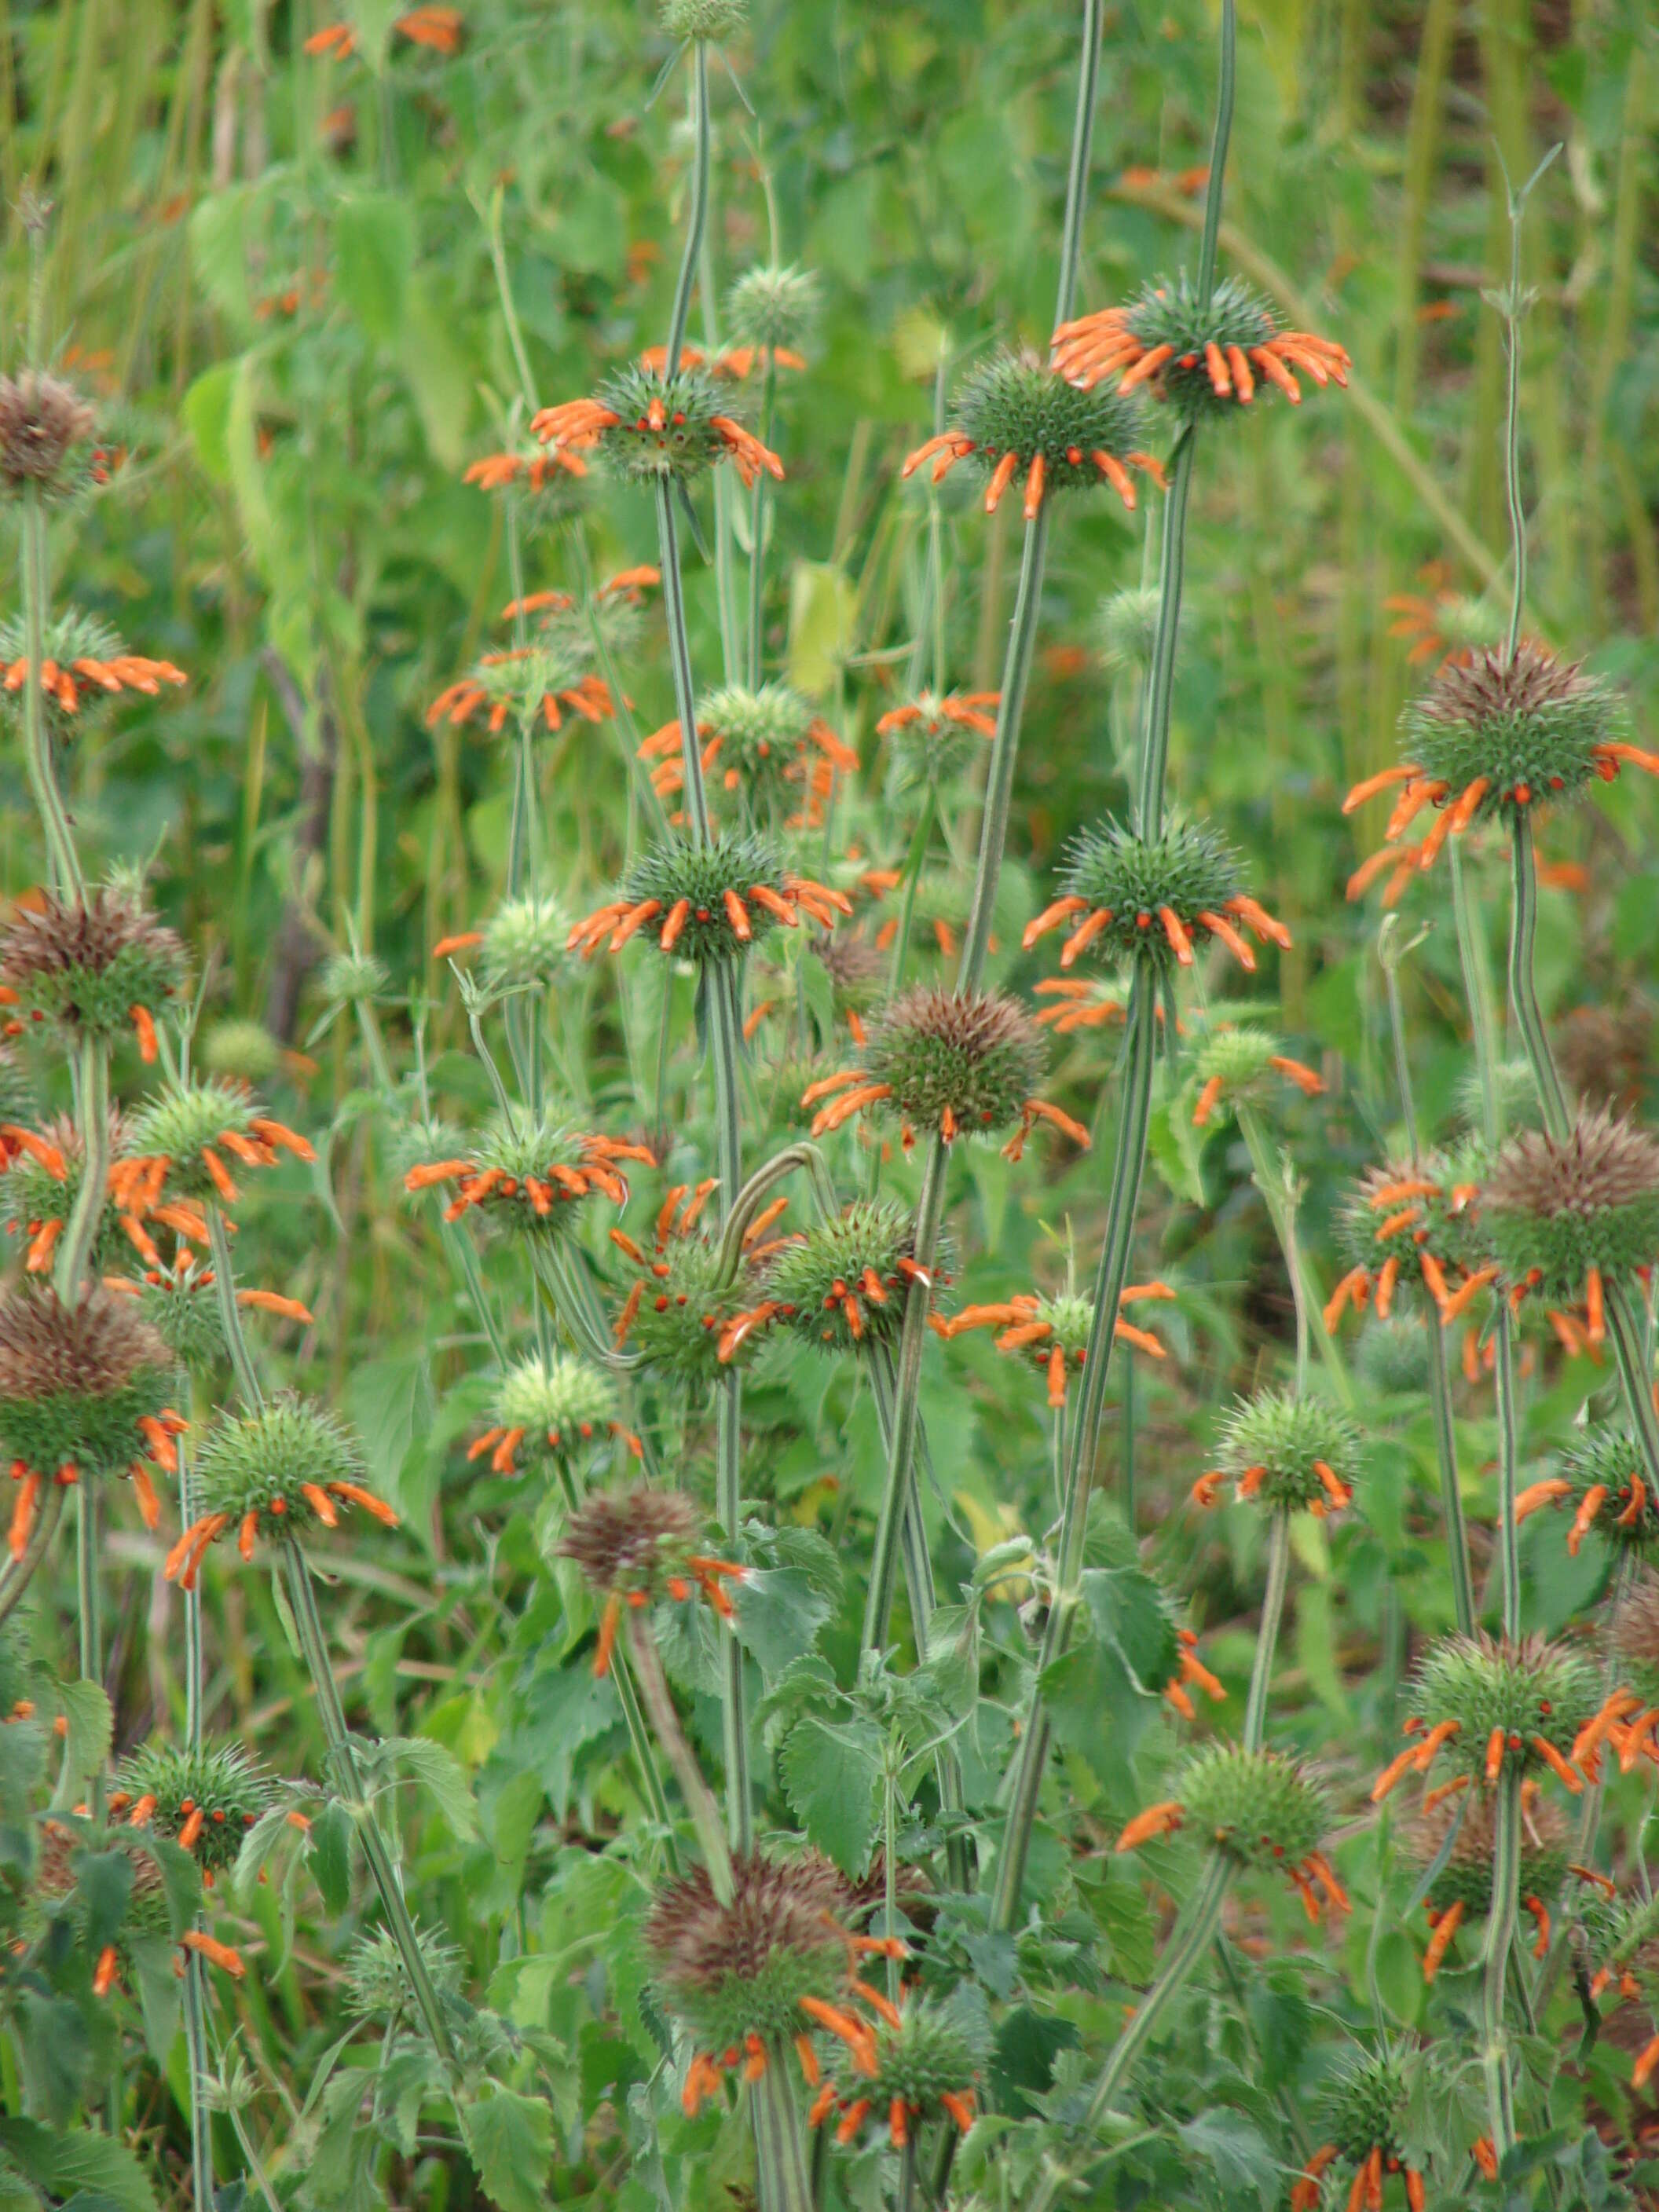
x=1446, y=1926
x=122, y=671
x=1159, y=1819
x=1202, y=357
x=965, y=709
x=1053, y=1331
x=586, y=696
x=495, y=470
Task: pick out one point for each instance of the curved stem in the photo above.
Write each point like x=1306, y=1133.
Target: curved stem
x=1077, y=178
x=1451, y=1495
x=1222, y=133
x=224, y=1285
x=1524, y=987
x=1194, y=1935
x=699, y=208
x=348, y=1780
x=1272, y=1612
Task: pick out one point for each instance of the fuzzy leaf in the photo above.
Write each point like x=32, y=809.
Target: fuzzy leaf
x=510, y=2138
x=829, y=1774
x=442, y=1775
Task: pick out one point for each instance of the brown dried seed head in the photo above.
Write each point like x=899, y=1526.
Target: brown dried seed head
x=619, y=1538
x=777, y=1904
x=977, y=1024
x=1487, y=685
x=41, y=419
x=1636, y=1625
x=86, y=934
x=1602, y=1164
x=48, y=1349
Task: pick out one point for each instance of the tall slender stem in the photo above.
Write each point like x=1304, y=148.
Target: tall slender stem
x=1005, y=751
x=680, y=651
x=781, y=2173
x=1477, y=988
x=699, y=208
x=699, y=1801
x=1524, y=987
x=63, y=863
x=224, y=1285
x=81, y=1234
x=757, y=499
x=1500, y=1942
x=1272, y=1612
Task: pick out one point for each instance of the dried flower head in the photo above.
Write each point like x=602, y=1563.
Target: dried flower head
x=1364, y=2117
x=377, y=1983
x=772, y=307
x=1566, y=1216
x=43, y=425
x=765, y=744
x=1202, y=357
x=710, y=21
x=1406, y=1225
x=1261, y=1808
x=711, y=901
x=1238, y=1061
x=653, y=425
x=1130, y=897
x=1493, y=1706
x=529, y=1172
x=1602, y=1052
x=927, y=2054
x=544, y=1412
x=857, y=970
x=176, y=1142
x=762, y=1971
x=1600, y=1477
x=282, y=1470
x=83, y=1394
x=843, y=1285
x=1017, y=418
x=83, y=664
x=201, y=1800
x=1462, y=1888
x=1053, y=1331
x=148, y=1914
x=637, y=1546
x=1289, y=1451
x=100, y=966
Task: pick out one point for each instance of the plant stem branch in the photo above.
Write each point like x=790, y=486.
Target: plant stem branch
x=1272, y=1612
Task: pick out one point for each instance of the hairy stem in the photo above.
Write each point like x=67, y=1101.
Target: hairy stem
x=1524, y=987
x=780, y=2172
x=699, y=1799
x=1266, y=1639
x=63, y=863
x=1500, y=1939
x=92, y=1117
x=699, y=208
x=224, y=1286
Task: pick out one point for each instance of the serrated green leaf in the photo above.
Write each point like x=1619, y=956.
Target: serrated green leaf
x=1130, y=1612
x=510, y=2139
x=91, y=1726
x=1173, y=1143
x=830, y=1774
x=373, y=254
x=442, y=1775
x=328, y=1848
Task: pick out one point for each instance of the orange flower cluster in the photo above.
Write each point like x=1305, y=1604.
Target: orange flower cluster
x=436, y=27
x=122, y=671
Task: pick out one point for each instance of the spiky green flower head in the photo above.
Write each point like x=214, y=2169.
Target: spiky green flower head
x=418, y=1140
x=530, y=1173
x=1291, y=1451
x=1129, y=625
x=46, y=432
x=186, y=1124
x=931, y=738
x=1622, y=1934
x=523, y=945
x=1392, y=1358
x=1261, y=1808
x=204, y=1800
x=1505, y=1698
x=685, y=1321
x=1606, y=1459
x=521, y=686
x=100, y=966
x=1556, y=1208
x=933, y=2054
x=40, y=1184
x=241, y=1051
x=1129, y=897
x=1167, y=319
x=1515, y=1095
x=843, y=1285
x=352, y=978
x=377, y=1980
x=283, y=1465
x=1536, y=727
x=1240, y=1055
x=633, y=1543
x=181, y=1304
x=709, y=22
x=1466, y=1878
x=1634, y=1637
x=1364, y=2110
x=772, y=306
x=712, y=889
x=729, y=1971
x=1397, y=1211
x=544, y=1412
x=84, y=666
x=76, y=1382
x=666, y=426
x=1015, y=404
x=955, y=1061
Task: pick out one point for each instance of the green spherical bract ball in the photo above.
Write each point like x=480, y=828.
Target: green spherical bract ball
x=1466, y=1878
x=974, y=1056
x=523, y=944
x=1259, y=1807
x=1397, y=1211
x=1128, y=626
x=377, y=1979
x=666, y=426
x=76, y=1381
x=771, y=306
x=1392, y=1358
x=557, y=1406
x=183, y=1308
x=242, y=1051
x=352, y=979
x=935, y=2051
x=1188, y=870
x=1555, y=1208
x=843, y=1285
x=1016, y=404
x=1275, y=1443
x=682, y=1315
x=34, y=1194
x=1169, y=312
x=224, y=1787
x=697, y=883
x=1606, y=1457
x=85, y=964
x=266, y=1463
x=712, y=21
x=1364, y=2110
x=730, y=1971
x=1527, y=729
x=1523, y=1692
x=183, y=1124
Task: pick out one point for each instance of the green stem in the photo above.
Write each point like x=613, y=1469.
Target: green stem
x=348, y=1780
x=224, y=1285
x=1477, y=988
x=1524, y=987
x=1272, y=1612
x=1451, y=1494
x=699, y=208
x=699, y=1799
x=1500, y=1939
x=780, y=2172
x=196, y=2059
x=1309, y=1305
x=1076, y=176
x=1508, y=1456
x=1155, y=752
x=685, y=690
x=62, y=862
x=87, y=1594
x=1194, y=1935
x=757, y=528
x=81, y=1234
x=1223, y=132
x=15, y=1574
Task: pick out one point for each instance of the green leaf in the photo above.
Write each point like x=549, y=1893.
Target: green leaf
x=1131, y=1612
x=373, y=254
x=86, y=1747
x=1316, y=1649
x=822, y=621
x=1238, y=2156
x=104, y=1880
x=218, y=251
x=1173, y=1143
x=440, y=379
x=83, y=2160
x=206, y=414
x=443, y=1777
x=510, y=2138
x=56, y=2051
x=329, y=1849
x=830, y=1775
